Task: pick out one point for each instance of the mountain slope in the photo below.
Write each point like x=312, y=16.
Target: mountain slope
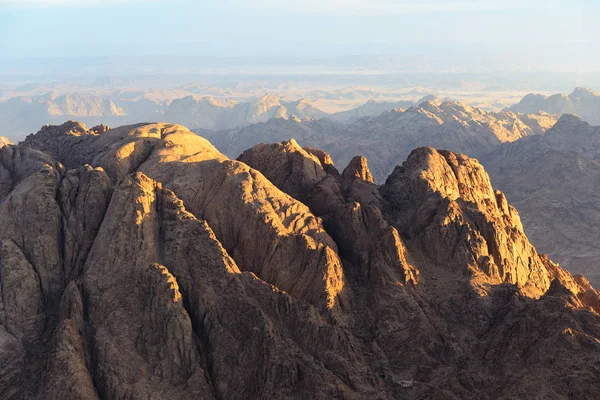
x=583, y=102
x=151, y=265
x=554, y=180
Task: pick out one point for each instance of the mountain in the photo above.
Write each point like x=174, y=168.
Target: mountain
x=51, y=104
x=212, y=113
x=389, y=137
x=583, y=102
x=554, y=180
x=140, y=262
x=27, y=114
x=373, y=108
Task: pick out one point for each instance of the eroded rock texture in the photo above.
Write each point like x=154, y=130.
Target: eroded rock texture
x=139, y=262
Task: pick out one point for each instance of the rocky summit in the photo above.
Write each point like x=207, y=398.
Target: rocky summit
x=141, y=263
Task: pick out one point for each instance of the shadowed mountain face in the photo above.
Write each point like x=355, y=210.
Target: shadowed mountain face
x=140, y=262
x=388, y=138
x=554, y=181
x=583, y=102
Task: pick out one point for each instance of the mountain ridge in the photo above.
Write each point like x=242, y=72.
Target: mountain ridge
x=582, y=101
x=441, y=124
x=159, y=266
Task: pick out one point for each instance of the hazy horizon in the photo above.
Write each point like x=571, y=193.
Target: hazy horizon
x=553, y=36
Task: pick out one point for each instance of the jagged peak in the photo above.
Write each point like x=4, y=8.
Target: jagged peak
x=429, y=101
x=68, y=128
x=98, y=129
x=358, y=168
x=325, y=160
x=4, y=141
x=267, y=98
x=582, y=92
x=208, y=241
x=558, y=289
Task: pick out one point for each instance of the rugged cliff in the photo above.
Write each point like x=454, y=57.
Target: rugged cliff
x=140, y=262
x=554, y=180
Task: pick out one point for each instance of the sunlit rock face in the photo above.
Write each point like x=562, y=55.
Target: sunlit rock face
x=140, y=262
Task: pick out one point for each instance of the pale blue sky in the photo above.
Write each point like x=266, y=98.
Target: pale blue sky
x=306, y=28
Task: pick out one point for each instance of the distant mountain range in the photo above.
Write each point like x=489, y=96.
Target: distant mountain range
x=21, y=115
x=24, y=114
x=213, y=113
x=389, y=137
x=372, y=108
x=583, y=102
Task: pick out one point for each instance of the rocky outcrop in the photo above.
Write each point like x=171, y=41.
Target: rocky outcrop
x=357, y=169
x=140, y=262
x=445, y=200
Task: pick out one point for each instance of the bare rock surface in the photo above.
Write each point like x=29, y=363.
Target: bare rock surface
x=554, y=181
x=140, y=262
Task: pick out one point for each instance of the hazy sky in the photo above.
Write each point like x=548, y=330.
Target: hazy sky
x=548, y=30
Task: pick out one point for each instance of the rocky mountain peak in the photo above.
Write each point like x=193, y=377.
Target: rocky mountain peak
x=142, y=262
x=358, y=169
x=584, y=93
x=457, y=191
x=267, y=100
x=566, y=120
x=4, y=141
